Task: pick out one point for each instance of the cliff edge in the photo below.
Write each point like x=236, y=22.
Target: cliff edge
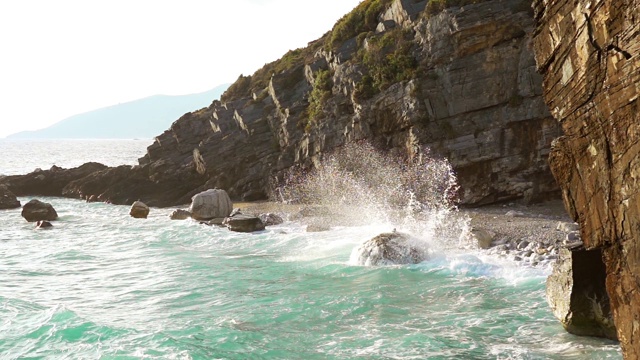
x=404, y=75
x=589, y=54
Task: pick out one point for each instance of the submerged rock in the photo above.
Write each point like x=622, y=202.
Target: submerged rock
x=43, y=225
x=390, y=249
x=7, y=199
x=244, y=223
x=139, y=210
x=577, y=293
x=180, y=214
x=210, y=204
x=36, y=210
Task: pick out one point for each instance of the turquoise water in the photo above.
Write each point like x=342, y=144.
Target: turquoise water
x=102, y=285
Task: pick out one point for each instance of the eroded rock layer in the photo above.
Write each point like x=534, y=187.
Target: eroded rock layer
x=589, y=53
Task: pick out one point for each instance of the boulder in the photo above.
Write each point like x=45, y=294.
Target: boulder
x=139, y=210
x=210, y=204
x=7, y=199
x=180, y=214
x=270, y=219
x=577, y=293
x=483, y=237
x=36, y=210
x=43, y=225
x=244, y=223
x=390, y=249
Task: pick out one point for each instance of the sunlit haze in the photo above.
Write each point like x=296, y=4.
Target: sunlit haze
x=61, y=58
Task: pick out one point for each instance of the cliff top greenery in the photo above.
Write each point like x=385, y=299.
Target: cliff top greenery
x=387, y=63
x=362, y=19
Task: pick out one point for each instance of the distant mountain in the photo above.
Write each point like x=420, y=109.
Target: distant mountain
x=144, y=118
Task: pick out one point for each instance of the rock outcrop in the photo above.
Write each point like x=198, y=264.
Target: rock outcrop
x=589, y=54
x=581, y=302
x=8, y=199
x=48, y=182
x=460, y=82
x=36, y=210
x=390, y=249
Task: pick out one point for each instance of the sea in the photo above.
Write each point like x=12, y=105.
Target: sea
x=102, y=285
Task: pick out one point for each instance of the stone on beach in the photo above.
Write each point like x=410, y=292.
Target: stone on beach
x=210, y=204
x=139, y=210
x=36, y=210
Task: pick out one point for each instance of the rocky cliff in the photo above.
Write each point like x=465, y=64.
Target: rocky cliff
x=403, y=74
x=589, y=53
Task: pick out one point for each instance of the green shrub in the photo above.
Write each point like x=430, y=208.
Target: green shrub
x=363, y=18
x=388, y=59
x=318, y=97
x=245, y=85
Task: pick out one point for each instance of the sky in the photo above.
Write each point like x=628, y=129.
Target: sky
x=65, y=57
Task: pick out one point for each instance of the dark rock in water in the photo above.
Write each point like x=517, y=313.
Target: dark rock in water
x=244, y=223
x=43, y=225
x=139, y=210
x=210, y=204
x=270, y=219
x=36, y=210
x=180, y=214
x=7, y=199
x=391, y=249
x=48, y=182
x=577, y=293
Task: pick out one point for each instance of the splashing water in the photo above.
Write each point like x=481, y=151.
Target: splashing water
x=359, y=185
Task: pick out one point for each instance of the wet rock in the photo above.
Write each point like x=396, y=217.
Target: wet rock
x=7, y=199
x=180, y=214
x=244, y=223
x=483, y=237
x=390, y=249
x=42, y=224
x=577, y=294
x=572, y=237
x=210, y=204
x=318, y=227
x=139, y=210
x=270, y=219
x=36, y=210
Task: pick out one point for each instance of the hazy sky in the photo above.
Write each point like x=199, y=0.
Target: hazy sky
x=60, y=58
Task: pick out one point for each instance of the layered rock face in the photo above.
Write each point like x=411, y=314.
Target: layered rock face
x=461, y=82
x=589, y=53
x=476, y=100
